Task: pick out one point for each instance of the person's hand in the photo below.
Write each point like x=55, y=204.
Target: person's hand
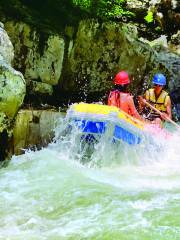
x=140, y=99
x=141, y=103
x=164, y=116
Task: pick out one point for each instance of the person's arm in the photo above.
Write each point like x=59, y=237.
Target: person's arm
x=169, y=108
x=113, y=99
x=141, y=104
x=133, y=110
x=141, y=101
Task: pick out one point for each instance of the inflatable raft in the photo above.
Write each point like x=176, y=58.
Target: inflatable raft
x=96, y=120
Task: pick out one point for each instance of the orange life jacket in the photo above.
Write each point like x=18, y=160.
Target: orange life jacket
x=121, y=100
x=114, y=98
x=124, y=101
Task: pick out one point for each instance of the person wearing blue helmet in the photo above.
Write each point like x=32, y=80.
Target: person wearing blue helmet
x=159, y=99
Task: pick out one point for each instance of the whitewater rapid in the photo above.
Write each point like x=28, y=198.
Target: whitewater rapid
x=124, y=194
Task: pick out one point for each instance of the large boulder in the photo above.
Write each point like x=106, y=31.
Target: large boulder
x=12, y=83
x=12, y=91
x=6, y=47
x=155, y=17
x=34, y=128
x=85, y=64
x=102, y=49
x=39, y=56
x=137, y=6
x=174, y=43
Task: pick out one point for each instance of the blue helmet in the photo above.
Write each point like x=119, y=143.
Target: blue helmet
x=159, y=79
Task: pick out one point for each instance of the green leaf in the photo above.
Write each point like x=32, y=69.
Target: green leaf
x=149, y=17
x=103, y=8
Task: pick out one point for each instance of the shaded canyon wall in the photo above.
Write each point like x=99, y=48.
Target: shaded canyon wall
x=79, y=65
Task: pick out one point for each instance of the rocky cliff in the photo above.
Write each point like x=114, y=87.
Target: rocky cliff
x=12, y=90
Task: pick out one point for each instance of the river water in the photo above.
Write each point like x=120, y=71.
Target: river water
x=120, y=194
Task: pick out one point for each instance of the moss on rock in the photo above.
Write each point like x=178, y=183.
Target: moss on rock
x=34, y=57
x=100, y=51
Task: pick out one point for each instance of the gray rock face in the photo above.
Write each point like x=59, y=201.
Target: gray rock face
x=171, y=63
x=12, y=83
x=38, y=56
x=92, y=58
x=34, y=128
x=12, y=90
x=137, y=6
x=162, y=14
x=6, y=47
x=175, y=43
x=42, y=88
x=100, y=51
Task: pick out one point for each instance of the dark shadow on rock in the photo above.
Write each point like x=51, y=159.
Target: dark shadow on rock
x=4, y=142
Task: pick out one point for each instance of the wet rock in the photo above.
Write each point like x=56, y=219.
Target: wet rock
x=160, y=42
x=41, y=88
x=12, y=90
x=1, y=25
x=175, y=39
x=101, y=50
x=174, y=43
x=167, y=60
x=34, y=129
x=137, y=6
x=161, y=17
x=12, y=83
x=37, y=55
x=83, y=67
x=170, y=15
x=171, y=63
x=6, y=47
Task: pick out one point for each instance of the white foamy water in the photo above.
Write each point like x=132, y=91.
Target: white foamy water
x=117, y=193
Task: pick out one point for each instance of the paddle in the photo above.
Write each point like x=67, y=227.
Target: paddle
x=155, y=109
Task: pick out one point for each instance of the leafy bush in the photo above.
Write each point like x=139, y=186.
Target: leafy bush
x=104, y=9
x=149, y=17
x=85, y=4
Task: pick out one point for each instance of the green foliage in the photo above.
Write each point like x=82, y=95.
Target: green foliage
x=53, y=15
x=158, y=29
x=83, y=4
x=149, y=17
x=104, y=9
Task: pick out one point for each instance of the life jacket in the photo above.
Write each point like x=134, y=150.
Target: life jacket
x=160, y=103
x=114, y=98
x=124, y=101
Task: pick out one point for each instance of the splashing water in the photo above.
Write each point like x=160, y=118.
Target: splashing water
x=118, y=193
